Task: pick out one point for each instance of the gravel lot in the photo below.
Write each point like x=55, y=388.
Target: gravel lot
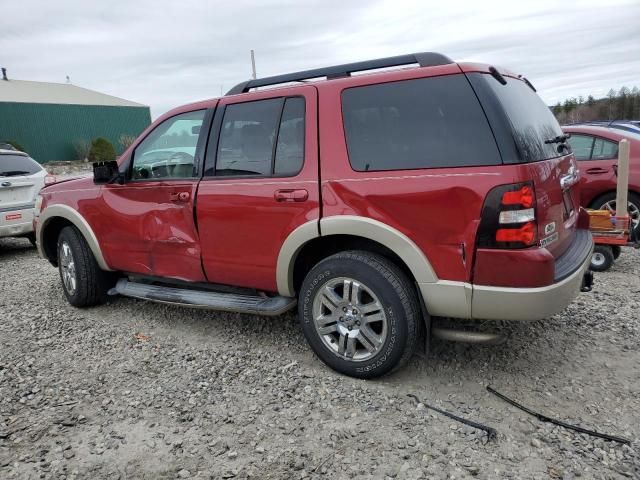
x=141, y=390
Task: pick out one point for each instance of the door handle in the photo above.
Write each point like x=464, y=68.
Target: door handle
x=179, y=196
x=597, y=171
x=296, y=195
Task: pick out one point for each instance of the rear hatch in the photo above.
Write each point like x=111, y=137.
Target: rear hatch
x=530, y=138
x=21, y=178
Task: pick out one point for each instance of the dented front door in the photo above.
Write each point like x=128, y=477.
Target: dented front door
x=150, y=229
x=149, y=225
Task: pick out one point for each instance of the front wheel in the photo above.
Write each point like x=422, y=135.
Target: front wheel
x=360, y=314
x=83, y=282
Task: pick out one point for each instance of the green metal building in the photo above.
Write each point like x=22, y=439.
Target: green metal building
x=46, y=119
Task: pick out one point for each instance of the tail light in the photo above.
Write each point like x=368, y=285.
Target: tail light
x=509, y=217
x=49, y=179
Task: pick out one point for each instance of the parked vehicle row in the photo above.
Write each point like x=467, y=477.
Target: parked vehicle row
x=374, y=201
x=596, y=149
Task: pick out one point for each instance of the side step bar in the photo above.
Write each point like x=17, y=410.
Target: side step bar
x=228, y=302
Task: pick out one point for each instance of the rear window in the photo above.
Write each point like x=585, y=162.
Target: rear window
x=530, y=120
x=14, y=165
x=413, y=124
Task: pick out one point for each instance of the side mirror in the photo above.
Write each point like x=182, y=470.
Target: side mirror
x=105, y=172
x=195, y=130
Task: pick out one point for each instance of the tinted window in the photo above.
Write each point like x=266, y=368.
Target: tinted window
x=604, y=149
x=265, y=138
x=290, y=147
x=581, y=146
x=530, y=120
x=423, y=123
x=247, y=137
x=169, y=150
x=13, y=165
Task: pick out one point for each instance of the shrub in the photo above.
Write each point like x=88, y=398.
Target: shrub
x=126, y=141
x=101, y=150
x=82, y=146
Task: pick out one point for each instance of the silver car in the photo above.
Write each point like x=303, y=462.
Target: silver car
x=21, y=179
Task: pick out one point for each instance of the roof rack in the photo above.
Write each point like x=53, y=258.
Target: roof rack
x=424, y=59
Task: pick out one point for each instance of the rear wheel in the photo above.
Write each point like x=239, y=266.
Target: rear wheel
x=602, y=258
x=608, y=202
x=360, y=314
x=83, y=282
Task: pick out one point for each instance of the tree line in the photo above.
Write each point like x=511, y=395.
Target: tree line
x=617, y=105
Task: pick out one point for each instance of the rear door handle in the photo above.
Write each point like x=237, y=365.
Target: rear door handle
x=296, y=195
x=179, y=196
x=597, y=171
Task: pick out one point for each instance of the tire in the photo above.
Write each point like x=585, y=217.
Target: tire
x=83, y=282
x=608, y=200
x=377, y=289
x=616, y=250
x=602, y=258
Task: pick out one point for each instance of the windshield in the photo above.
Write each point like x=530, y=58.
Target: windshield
x=524, y=113
x=13, y=165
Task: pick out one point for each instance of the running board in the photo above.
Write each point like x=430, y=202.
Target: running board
x=227, y=302
x=467, y=336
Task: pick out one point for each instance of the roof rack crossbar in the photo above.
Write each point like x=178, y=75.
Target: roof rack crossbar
x=424, y=59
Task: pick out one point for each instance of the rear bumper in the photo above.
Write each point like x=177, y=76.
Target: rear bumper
x=16, y=223
x=465, y=300
x=501, y=303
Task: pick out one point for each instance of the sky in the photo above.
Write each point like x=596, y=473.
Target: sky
x=165, y=54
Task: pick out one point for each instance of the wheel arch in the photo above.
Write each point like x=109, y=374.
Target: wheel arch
x=52, y=220
x=307, y=245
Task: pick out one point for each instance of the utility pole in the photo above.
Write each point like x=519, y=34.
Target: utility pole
x=253, y=64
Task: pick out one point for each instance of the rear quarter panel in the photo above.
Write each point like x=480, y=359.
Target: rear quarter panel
x=438, y=209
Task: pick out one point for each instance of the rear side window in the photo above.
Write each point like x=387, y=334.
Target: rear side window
x=260, y=138
x=604, y=149
x=581, y=146
x=15, y=165
x=413, y=124
x=529, y=120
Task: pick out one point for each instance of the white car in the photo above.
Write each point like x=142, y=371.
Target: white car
x=21, y=179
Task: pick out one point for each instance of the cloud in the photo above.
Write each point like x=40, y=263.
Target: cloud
x=168, y=53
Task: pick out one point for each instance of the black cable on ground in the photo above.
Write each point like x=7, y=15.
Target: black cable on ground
x=544, y=418
x=491, y=432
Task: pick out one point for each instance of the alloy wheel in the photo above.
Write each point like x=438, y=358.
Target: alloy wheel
x=634, y=211
x=68, y=268
x=350, y=319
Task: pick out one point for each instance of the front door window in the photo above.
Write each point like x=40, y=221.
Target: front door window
x=169, y=150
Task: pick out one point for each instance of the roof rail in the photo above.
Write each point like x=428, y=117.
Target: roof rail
x=424, y=59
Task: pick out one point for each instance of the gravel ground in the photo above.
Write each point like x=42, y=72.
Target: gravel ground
x=141, y=390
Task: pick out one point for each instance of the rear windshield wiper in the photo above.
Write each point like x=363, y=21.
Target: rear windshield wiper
x=12, y=173
x=558, y=139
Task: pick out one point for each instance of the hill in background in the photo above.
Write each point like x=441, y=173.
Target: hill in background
x=621, y=105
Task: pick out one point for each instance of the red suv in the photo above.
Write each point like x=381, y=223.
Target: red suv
x=596, y=149
x=375, y=201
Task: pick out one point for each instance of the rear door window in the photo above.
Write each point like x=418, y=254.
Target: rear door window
x=260, y=138
x=414, y=124
x=290, y=147
x=18, y=165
